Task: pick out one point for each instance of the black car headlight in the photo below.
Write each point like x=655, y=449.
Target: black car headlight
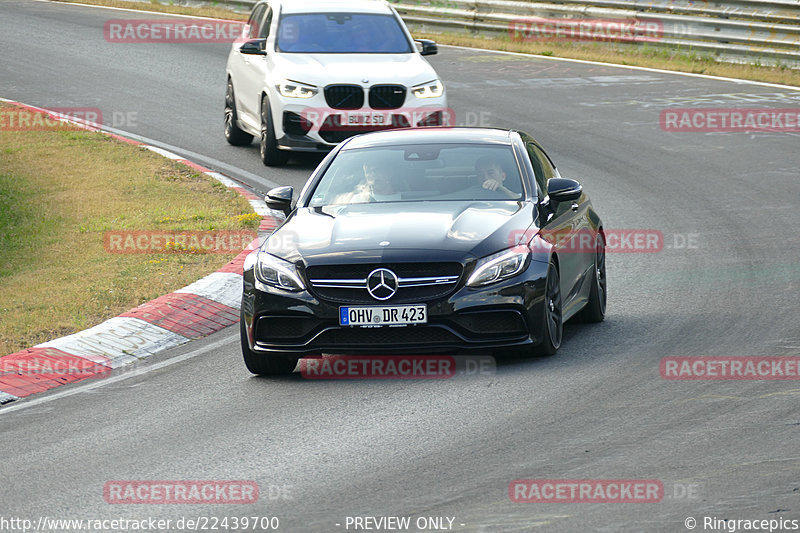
x=276, y=272
x=502, y=265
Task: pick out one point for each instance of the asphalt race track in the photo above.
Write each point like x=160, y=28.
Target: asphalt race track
x=724, y=284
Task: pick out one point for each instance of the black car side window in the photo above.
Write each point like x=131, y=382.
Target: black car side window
x=541, y=167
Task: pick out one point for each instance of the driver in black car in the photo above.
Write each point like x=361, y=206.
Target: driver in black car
x=381, y=182
x=491, y=176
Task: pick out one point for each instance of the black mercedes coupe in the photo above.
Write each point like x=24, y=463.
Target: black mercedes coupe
x=424, y=241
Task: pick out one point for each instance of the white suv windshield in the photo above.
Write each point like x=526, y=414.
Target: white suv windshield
x=341, y=33
x=420, y=173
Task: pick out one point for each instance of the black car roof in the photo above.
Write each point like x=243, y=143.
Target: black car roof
x=441, y=135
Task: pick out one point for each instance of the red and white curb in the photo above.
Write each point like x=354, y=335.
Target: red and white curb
x=197, y=310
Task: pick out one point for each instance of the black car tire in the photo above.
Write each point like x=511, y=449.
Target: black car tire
x=553, y=326
x=265, y=364
x=595, y=310
x=552, y=332
x=233, y=134
x=271, y=155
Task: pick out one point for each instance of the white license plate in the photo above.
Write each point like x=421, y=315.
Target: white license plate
x=383, y=316
x=364, y=119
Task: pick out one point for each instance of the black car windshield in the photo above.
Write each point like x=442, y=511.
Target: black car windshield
x=414, y=173
x=342, y=33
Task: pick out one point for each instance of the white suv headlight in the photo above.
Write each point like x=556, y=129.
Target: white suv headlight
x=295, y=89
x=431, y=89
x=500, y=266
x=276, y=272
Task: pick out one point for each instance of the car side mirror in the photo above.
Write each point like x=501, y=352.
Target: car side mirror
x=280, y=199
x=254, y=47
x=427, y=47
x=563, y=190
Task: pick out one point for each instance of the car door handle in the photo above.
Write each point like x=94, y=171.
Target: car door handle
x=575, y=206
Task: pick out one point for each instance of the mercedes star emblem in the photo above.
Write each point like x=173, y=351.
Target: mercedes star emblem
x=382, y=283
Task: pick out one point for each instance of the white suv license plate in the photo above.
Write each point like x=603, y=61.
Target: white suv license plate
x=364, y=119
x=383, y=316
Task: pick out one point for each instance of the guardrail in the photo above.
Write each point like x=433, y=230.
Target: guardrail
x=757, y=10
x=759, y=33
x=754, y=31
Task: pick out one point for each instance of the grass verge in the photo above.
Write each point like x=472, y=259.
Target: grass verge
x=644, y=55
x=61, y=190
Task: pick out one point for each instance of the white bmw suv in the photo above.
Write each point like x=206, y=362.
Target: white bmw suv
x=308, y=74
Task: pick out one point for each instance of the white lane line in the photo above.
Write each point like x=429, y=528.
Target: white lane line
x=121, y=377
x=131, y=10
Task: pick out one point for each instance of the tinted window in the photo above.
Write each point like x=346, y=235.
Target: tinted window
x=264, y=30
x=541, y=167
x=420, y=173
x=253, y=23
x=342, y=33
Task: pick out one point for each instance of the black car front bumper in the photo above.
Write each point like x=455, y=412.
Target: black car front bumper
x=503, y=315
